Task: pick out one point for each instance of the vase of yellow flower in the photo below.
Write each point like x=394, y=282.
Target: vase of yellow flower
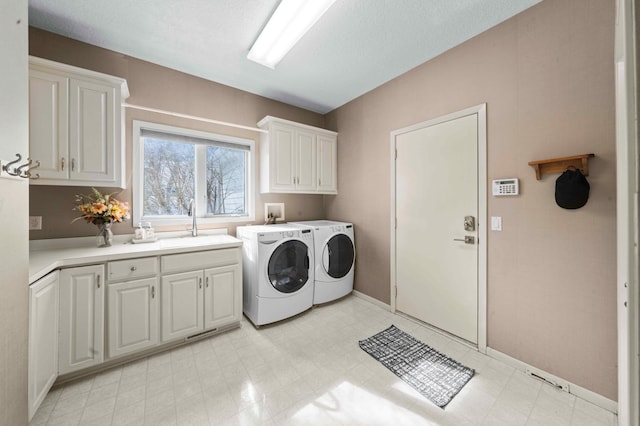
x=105, y=235
x=102, y=211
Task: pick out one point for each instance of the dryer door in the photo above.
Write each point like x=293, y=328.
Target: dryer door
x=288, y=267
x=338, y=255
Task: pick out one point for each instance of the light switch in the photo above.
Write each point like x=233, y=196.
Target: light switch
x=35, y=223
x=496, y=223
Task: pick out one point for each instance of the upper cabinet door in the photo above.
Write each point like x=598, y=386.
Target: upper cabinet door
x=92, y=131
x=49, y=123
x=327, y=164
x=283, y=157
x=306, y=160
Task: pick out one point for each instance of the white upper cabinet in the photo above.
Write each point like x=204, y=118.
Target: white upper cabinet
x=296, y=158
x=75, y=125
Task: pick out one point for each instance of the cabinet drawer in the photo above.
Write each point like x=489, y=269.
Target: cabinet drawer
x=132, y=268
x=199, y=260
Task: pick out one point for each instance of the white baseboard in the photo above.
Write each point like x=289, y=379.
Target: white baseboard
x=574, y=389
x=371, y=300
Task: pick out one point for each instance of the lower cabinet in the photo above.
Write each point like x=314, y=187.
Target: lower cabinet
x=132, y=316
x=207, y=295
x=222, y=296
x=43, y=339
x=181, y=305
x=200, y=300
x=81, y=343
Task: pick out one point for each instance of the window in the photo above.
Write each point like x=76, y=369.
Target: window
x=174, y=165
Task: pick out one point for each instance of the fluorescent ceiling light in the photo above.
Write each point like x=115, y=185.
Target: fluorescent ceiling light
x=291, y=20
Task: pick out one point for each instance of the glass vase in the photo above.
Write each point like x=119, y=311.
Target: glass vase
x=105, y=236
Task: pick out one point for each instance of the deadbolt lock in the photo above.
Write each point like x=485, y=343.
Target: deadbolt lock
x=469, y=223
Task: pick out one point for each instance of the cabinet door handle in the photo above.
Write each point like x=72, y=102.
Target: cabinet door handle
x=98, y=280
x=62, y=164
x=73, y=164
x=200, y=281
x=153, y=292
x=206, y=282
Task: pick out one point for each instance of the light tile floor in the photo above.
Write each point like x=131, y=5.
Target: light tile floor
x=308, y=370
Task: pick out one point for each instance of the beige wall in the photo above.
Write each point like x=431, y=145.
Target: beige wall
x=161, y=88
x=547, y=78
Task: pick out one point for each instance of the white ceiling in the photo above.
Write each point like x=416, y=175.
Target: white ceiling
x=355, y=47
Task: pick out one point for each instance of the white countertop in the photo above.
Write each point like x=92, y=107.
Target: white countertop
x=47, y=255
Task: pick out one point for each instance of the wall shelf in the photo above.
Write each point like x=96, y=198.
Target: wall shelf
x=558, y=165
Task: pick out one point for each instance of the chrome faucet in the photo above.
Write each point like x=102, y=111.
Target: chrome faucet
x=192, y=213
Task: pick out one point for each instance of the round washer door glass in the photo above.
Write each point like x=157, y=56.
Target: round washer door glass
x=288, y=267
x=338, y=255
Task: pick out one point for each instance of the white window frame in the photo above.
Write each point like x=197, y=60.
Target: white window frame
x=138, y=178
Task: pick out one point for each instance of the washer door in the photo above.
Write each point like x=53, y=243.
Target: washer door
x=288, y=267
x=338, y=255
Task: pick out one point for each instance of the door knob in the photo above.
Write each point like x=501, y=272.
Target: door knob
x=468, y=239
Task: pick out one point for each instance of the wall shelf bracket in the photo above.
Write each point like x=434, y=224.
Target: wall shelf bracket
x=559, y=165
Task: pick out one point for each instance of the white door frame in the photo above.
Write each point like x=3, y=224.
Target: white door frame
x=481, y=111
x=628, y=302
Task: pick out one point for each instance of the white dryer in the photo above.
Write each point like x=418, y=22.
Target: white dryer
x=278, y=273
x=335, y=255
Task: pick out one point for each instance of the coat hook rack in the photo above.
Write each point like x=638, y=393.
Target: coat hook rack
x=21, y=171
x=558, y=165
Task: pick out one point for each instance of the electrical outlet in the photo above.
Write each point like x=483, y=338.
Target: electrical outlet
x=35, y=223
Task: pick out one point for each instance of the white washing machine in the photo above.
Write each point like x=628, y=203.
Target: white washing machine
x=335, y=255
x=278, y=273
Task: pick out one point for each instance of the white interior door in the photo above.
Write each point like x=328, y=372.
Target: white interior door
x=436, y=177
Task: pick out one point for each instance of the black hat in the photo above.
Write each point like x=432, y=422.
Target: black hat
x=572, y=189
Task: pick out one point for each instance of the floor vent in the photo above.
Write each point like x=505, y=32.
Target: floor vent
x=548, y=379
x=201, y=335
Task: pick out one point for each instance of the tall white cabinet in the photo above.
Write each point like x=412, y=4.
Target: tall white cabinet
x=297, y=158
x=75, y=125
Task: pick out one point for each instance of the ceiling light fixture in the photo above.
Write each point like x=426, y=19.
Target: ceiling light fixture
x=291, y=20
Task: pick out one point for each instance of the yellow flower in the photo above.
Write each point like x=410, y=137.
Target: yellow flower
x=98, y=208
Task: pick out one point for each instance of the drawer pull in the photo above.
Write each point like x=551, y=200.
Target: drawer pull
x=133, y=268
